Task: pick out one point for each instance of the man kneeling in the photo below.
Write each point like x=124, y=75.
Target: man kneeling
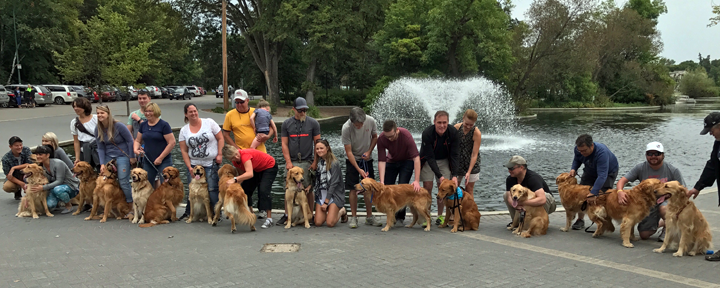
x=519, y=174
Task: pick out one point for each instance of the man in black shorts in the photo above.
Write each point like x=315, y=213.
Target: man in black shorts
x=517, y=167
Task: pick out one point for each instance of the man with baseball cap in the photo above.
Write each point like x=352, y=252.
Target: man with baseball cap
x=237, y=121
x=12, y=163
x=654, y=167
x=712, y=166
x=298, y=136
x=519, y=174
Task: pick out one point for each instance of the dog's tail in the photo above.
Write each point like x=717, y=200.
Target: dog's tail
x=241, y=212
x=601, y=212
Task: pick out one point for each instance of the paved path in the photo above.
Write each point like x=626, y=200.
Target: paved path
x=66, y=251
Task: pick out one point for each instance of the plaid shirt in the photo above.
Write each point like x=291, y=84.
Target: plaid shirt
x=9, y=161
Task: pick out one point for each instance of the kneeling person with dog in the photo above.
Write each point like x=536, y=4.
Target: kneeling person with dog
x=520, y=174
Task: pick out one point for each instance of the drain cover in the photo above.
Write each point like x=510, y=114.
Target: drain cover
x=280, y=247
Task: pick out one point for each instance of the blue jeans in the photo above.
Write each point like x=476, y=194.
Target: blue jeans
x=123, y=166
x=153, y=170
x=211, y=176
x=62, y=193
x=402, y=170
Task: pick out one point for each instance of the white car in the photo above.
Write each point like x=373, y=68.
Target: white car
x=154, y=91
x=194, y=90
x=62, y=94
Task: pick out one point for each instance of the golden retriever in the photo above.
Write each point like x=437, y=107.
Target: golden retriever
x=296, y=201
x=88, y=180
x=141, y=190
x=162, y=204
x=33, y=202
x=572, y=197
x=467, y=207
x=389, y=199
x=683, y=222
x=199, y=197
x=108, y=193
x=237, y=209
x=536, y=218
x=226, y=172
x=639, y=201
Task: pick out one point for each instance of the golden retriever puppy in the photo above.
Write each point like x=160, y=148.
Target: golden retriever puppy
x=389, y=199
x=296, y=201
x=572, y=197
x=226, y=172
x=199, y=197
x=683, y=222
x=237, y=209
x=88, y=180
x=33, y=202
x=141, y=190
x=162, y=204
x=108, y=195
x=640, y=199
x=467, y=207
x=536, y=218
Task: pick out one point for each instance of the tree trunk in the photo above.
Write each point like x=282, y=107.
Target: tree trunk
x=452, y=58
x=310, y=79
x=271, y=75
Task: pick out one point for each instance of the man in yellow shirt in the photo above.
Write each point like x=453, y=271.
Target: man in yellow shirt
x=237, y=121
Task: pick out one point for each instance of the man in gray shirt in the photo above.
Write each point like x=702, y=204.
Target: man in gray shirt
x=298, y=135
x=654, y=167
x=359, y=136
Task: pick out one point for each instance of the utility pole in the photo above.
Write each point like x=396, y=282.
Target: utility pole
x=17, y=46
x=226, y=97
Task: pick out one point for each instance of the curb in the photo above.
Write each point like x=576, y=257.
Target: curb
x=611, y=109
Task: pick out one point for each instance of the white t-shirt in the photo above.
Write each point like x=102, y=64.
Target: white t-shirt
x=202, y=146
x=359, y=139
x=89, y=126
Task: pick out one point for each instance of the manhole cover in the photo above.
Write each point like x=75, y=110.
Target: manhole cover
x=280, y=247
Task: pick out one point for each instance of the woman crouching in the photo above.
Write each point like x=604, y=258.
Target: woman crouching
x=329, y=189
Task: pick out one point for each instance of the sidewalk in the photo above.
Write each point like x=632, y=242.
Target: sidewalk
x=66, y=251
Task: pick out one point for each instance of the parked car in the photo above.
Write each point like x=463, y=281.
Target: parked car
x=219, y=93
x=4, y=97
x=131, y=91
x=201, y=90
x=165, y=92
x=84, y=93
x=108, y=94
x=43, y=96
x=181, y=93
x=62, y=94
x=193, y=90
x=154, y=91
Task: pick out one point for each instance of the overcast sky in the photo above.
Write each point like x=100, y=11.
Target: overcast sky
x=683, y=28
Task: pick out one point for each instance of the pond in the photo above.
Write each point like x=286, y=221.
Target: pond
x=547, y=144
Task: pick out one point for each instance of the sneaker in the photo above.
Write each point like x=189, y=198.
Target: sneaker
x=439, y=220
x=282, y=221
x=372, y=221
x=579, y=224
x=661, y=238
x=66, y=210
x=262, y=215
x=268, y=223
x=353, y=222
x=18, y=196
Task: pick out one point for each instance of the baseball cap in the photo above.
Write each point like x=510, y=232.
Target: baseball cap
x=710, y=121
x=300, y=103
x=14, y=139
x=655, y=146
x=515, y=160
x=240, y=94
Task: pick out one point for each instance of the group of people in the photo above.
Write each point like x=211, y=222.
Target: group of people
x=446, y=152
x=27, y=97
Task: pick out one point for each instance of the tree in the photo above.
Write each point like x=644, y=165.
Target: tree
x=109, y=51
x=715, y=20
x=696, y=84
x=648, y=9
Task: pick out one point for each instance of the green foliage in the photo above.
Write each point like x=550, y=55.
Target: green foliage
x=696, y=84
x=375, y=92
x=220, y=110
x=340, y=97
x=314, y=112
x=648, y=9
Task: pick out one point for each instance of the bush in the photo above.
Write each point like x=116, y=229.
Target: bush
x=696, y=84
x=372, y=96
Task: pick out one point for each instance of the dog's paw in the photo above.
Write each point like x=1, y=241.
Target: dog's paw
x=596, y=235
x=563, y=229
x=408, y=226
x=232, y=231
x=307, y=225
x=88, y=218
x=691, y=253
x=252, y=228
x=388, y=228
x=102, y=220
x=525, y=234
x=36, y=217
x=628, y=245
x=188, y=221
x=49, y=215
x=442, y=226
x=659, y=250
x=678, y=254
x=76, y=212
x=510, y=228
x=287, y=226
x=213, y=223
x=134, y=221
x=427, y=228
x=453, y=230
x=210, y=222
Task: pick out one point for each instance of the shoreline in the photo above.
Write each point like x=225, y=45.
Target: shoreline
x=600, y=109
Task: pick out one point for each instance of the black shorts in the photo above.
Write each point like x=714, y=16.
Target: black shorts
x=263, y=132
x=352, y=177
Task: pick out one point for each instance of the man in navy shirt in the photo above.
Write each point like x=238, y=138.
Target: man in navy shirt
x=601, y=169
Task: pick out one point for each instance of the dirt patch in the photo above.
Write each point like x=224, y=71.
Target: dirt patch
x=325, y=111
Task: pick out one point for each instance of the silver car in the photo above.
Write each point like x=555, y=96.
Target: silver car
x=62, y=94
x=43, y=96
x=4, y=97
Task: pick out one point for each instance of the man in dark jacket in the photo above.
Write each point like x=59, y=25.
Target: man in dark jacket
x=712, y=169
x=29, y=96
x=439, y=155
x=601, y=169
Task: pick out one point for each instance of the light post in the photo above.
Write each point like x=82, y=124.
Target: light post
x=17, y=46
x=224, y=57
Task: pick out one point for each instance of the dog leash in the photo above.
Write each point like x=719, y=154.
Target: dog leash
x=457, y=198
x=584, y=207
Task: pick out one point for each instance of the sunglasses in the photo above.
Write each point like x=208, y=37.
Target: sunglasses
x=302, y=110
x=321, y=140
x=513, y=168
x=653, y=154
x=240, y=102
